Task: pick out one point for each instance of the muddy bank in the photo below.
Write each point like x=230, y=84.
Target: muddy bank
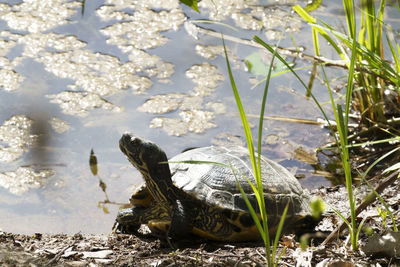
x=124, y=250
x=127, y=250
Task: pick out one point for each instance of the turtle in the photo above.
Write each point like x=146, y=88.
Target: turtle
x=180, y=199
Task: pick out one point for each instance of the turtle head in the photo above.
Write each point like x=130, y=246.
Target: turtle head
x=141, y=153
x=150, y=160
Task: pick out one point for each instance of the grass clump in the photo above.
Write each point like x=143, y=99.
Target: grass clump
x=370, y=72
x=262, y=222
x=375, y=77
x=371, y=79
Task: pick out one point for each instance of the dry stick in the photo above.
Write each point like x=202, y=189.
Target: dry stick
x=57, y=257
x=287, y=119
x=366, y=202
x=285, y=51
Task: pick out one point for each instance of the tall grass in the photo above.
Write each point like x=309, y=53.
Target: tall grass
x=262, y=225
x=341, y=123
x=366, y=54
x=373, y=74
x=367, y=68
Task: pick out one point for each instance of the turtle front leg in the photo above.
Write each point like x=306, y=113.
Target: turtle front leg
x=129, y=220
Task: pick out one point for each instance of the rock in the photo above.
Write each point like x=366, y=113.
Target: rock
x=387, y=245
x=102, y=254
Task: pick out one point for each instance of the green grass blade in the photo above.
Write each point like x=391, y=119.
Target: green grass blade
x=360, y=227
x=363, y=27
x=280, y=256
x=315, y=42
x=363, y=178
x=312, y=5
x=215, y=23
x=390, y=40
x=370, y=22
x=398, y=52
x=350, y=82
x=313, y=22
x=338, y=213
x=271, y=50
x=343, y=140
x=379, y=27
x=245, y=123
x=260, y=129
x=264, y=235
x=349, y=13
x=374, y=62
x=332, y=101
x=192, y=4
x=257, y=172
x=279, y=230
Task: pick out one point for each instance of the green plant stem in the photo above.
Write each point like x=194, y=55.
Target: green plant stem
x=257, y=173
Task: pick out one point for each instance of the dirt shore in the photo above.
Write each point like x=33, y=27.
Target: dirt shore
x=128, y=250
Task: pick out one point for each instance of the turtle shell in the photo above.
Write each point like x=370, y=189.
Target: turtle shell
x=216, y=184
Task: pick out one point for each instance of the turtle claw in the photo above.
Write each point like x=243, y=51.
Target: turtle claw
x=170, y=242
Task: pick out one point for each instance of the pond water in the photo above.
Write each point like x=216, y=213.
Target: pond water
x=73, y=82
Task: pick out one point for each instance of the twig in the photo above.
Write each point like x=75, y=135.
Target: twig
x=287, y=51
x=262, y=256
x=57, y=257
x=366, y=202
x=194, y=31
x=286, y=119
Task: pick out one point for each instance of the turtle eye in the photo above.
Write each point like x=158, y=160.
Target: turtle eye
x=136, y=142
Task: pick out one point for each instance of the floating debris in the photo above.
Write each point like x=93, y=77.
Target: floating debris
x=24, y=179
x=196, y=121
x=15, y=134
x=58, y=125
x=256, y=17
x=172, y=126
x=94, y=72
x=274, y=35
x=247, y=21
x=271, y=139
x=218, y=107
x=78, y=103
x=5, y=46
x=192, y=116
x=206, y=77
x=159, y=104
x=193, y=102
x=222, y=9
x=308, y=156
x=210, y=51
x=10, y=80
x=161, y=69
x=142, y=30
x=38, y=16
x=66, y=56
x=36, y=44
